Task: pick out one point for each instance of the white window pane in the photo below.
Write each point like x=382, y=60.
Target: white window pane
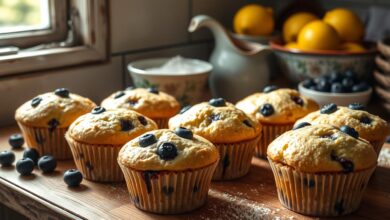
x=24, y=15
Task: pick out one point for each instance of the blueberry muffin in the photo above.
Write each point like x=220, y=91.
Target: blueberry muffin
x=96, y=138
x=152, y=103
x=370, y=127
x=45, y=119
x=234, y=133
x=168, y=171
x=277, y=110
x=321, y=170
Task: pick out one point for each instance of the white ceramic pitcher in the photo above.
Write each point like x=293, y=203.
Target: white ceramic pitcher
x=239, y=68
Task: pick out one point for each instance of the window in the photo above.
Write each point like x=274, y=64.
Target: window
x=25, y=23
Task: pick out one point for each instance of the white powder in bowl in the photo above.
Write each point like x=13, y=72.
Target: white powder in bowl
x=177, y=65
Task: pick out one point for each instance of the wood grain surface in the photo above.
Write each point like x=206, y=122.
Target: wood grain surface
x=46, y=196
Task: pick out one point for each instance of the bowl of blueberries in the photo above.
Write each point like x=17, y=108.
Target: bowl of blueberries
x=339, y=88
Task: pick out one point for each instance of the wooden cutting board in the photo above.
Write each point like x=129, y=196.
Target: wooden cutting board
x=254, y=196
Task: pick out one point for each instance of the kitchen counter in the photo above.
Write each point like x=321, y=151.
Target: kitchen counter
x=46, y=196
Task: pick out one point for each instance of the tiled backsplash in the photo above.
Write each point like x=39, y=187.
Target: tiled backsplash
x=140, y=29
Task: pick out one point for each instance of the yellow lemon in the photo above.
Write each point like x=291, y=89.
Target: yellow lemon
x=352, y=47
x=318, y=35
x=291, y=45
x=295, y=23
x=254, y=20
x=347, y=24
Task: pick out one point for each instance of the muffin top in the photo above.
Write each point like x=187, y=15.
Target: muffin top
x=111, y=127
x=370, y=127
x=217, y=121
x=322, y=148
x=168, y=150
x=53, y=109
x=277, y=106
x=149, y=102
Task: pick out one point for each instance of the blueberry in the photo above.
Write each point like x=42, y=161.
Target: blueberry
x=133, y=103
x=350, y=131
x=119, y=94
x=47, y=164
x=16, y=140
x=266, y=110
x=35, y=101
x=337, y=88
x=335, y=77
x=328, y=109
x=356, y=106
x=323, y=86
x=184, y=133
x=347, y=83
x=297, y=100
x=146, y=140
x=153, y=90
x=308, y=83
x=73, y=177
x=301, y=125
x=388, y=139
x=314, y=88
x=217, y=102
x=126, y=125
x=53, y=123
x=184, y=109
x=25, y=166
x=7, y=158
x=247, y=123
x=363, y=86
x=32, y=154
x=142, y=120
x=270, y=88
x=365, y=120
x=62, y=92
x=351, y=75
x=167, y=151
x=98, y=110
x=346, y=164
x=214, y=117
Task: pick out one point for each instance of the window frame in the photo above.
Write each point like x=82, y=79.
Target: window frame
x=56, y=32
x=93, y=32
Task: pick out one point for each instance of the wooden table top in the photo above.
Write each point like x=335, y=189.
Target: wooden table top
x=254, y=196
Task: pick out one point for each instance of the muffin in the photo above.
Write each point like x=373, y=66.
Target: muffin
x=96, y=138
x=152, y=103
x=277, y=110
x=233, y=132
x=320, y=170
x=168, y=171
x=45, y=119
x=370, y=127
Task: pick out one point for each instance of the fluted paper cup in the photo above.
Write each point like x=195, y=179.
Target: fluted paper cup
x=161, y=122
x=169, y=192
x=377, y=145
x=330, y=194
x=47, y=142
x=269, y=133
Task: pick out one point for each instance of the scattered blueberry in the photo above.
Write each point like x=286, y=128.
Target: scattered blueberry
x=153, y=90
x=25, y=166
x=73, y=177
x=301, y=125
x=270, y=88
x=356, y=106
x=62, y=92
x=247, y=123
x=297, y=100
x=347, y=165
x=35, y=101
x=308, y=83
x=365, y=120
x=350, y=131
x=363, y=86
x=98, y=110
x=184, y=133
x=266, y=110
x=7, y=158
x=142, y=120
x=167, y=151
x=16, y=140
x=147, y=140
x=126, y=125
x=337, y=88
x=119, y=94
x=32, y=154
x=328, y=109
x=217, y=102
x=47, y=164
x=184, y=109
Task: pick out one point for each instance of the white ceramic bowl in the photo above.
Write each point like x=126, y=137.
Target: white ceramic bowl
x=187, y=88
x=342, y=99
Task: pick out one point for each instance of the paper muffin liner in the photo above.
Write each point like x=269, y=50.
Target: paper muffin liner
x=332, y=194
x=96, y=162
x=161, y=122
x=47, y=142
x=168, y=192
x=377, y=145
x=235, y=159
x=269, y=133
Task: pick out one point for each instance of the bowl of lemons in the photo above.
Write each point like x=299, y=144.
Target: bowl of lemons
x=312, y=47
